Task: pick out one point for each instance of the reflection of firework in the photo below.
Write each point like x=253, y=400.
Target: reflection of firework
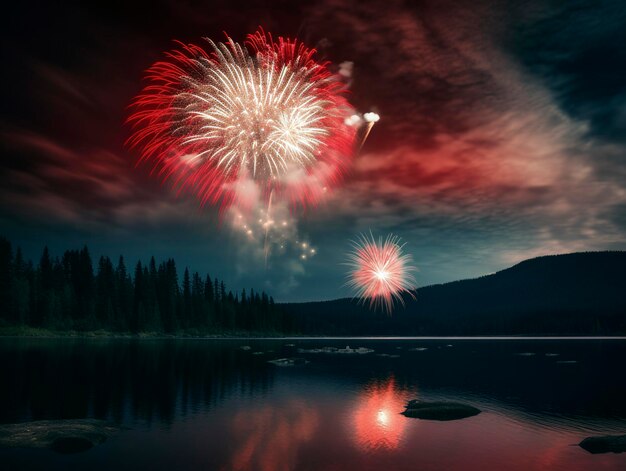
x=270, y=438
x=378, y=423
x=380, y=271
x=261, y=117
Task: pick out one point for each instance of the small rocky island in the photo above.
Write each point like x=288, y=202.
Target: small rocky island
x=440, y=410
x=604, y=444
x=63, y=436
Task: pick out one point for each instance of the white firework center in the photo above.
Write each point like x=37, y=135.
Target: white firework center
x=257, y=119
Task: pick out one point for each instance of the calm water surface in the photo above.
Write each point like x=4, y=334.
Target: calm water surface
x=212, y=405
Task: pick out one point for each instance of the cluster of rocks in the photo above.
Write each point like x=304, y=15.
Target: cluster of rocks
x=288, y=361
x=63, y=436
x=335, y=350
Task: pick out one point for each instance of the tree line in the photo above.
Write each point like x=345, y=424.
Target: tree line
x=67, y=293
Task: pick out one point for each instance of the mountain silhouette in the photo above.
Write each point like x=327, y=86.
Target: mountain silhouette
x=572, y=294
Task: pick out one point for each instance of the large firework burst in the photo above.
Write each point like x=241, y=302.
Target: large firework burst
x=263, y=117
x=380, y=271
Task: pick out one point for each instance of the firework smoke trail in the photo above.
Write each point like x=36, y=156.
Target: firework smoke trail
x=371, y=119
x=268, y=223
x=366, y=121
x=380, y=271
x=216, y=121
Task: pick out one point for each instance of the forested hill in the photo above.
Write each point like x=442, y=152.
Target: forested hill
x=579, y=293
x=68, y=293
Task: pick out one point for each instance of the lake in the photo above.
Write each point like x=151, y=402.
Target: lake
x=220, y=405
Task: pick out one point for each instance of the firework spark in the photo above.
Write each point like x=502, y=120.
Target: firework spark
x=264, y=117
x=380, y=271
x=272, y=231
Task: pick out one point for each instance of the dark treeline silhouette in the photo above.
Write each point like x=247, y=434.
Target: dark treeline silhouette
x=69, y=293
x=577, y=294
x=573, y=294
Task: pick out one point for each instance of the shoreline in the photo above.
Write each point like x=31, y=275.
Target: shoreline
x=32, y=333
x=35, y=332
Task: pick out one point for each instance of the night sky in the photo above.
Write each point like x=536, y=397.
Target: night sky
x=502, y=134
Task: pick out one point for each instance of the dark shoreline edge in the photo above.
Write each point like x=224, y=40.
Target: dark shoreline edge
x=30, y=333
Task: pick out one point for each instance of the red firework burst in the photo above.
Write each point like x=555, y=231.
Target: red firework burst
x=259, y=118
x=380, y=271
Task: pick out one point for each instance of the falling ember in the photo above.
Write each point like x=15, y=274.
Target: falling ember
x=370, y=119
x=235, y=120
x=267, y=225
x=271, y=230
x=380, y=271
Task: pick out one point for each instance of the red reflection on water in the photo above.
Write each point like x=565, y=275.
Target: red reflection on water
x=268, y=439
x=377, y=420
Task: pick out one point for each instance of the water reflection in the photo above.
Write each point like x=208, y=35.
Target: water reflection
x=269, y=439
x=122, y=381
x=218, y=406
x=378, y=424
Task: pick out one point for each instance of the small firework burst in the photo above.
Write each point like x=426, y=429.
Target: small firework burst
x=380, y=271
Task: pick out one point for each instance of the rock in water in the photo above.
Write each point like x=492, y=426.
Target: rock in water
x=288, y=361
x=439, y=410
x=604, y=444
x=335, y=350
x=63, y=436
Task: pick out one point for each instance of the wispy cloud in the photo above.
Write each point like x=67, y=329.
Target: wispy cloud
x=469, y=134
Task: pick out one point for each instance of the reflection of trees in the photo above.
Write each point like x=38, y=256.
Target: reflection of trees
x=121, y=380
x=269, y=438
x=377, y=420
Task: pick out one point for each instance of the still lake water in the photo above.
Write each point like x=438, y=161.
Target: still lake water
x=211, y=405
